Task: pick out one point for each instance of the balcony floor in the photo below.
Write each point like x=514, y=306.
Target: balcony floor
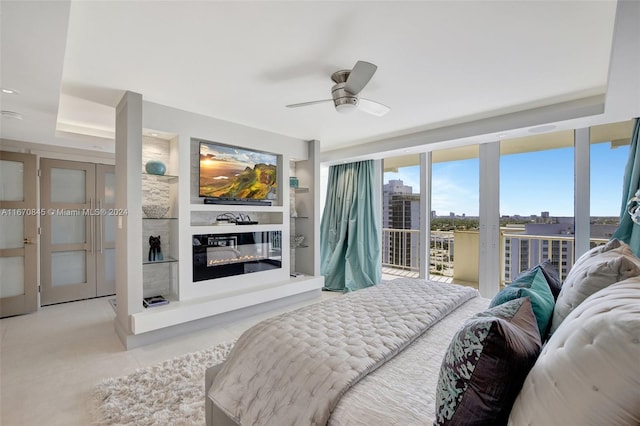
x=393, y=273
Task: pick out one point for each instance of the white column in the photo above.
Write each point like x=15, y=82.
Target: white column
x=489, y=259
x=582, y=194
x=425, y=213
x=128, y=197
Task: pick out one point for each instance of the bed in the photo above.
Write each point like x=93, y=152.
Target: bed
x=400, y=369
x=414, y=352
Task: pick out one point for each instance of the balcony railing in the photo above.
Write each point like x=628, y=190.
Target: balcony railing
x=522, y=251
x=401, y=249
x=401, y=252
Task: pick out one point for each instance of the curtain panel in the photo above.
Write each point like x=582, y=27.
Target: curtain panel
x=628, y=231
x=350, y=241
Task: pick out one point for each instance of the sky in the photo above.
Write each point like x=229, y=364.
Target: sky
x=530, y=183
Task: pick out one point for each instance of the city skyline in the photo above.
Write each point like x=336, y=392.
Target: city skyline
x=544, y=179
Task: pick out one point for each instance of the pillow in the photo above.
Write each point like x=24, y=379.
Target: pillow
x=589, y=371
x=610, y=245
x=531, y=284
x=593, y=274
x=550, y=273
x=485, y=365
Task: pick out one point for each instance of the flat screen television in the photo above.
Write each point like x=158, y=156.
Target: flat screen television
x=228, y=172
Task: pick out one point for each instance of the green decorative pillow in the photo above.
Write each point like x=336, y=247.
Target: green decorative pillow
x=485, y=365
x=531, y=284
x=550, y=273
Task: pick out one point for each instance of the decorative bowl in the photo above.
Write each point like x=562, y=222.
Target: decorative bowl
x=154, y=167
x=155, y=211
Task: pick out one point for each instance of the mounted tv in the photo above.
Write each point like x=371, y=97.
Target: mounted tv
x=235, y=175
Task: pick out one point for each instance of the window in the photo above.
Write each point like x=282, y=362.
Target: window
x=401, y=216
x=536, y=199
x=455, y=180
x=607, y=161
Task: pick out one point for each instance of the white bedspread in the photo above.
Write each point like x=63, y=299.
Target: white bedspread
x=292, y=369
x=402, y=391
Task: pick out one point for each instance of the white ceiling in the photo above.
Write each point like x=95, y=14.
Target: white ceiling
x=449, y=70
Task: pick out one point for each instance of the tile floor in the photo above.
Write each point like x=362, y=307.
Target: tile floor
x=51, y=360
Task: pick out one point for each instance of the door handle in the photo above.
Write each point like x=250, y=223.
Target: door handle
x=27, y=241
x=100, y=226
x=91, y=227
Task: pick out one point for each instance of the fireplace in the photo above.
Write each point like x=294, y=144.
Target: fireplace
x=225, y=255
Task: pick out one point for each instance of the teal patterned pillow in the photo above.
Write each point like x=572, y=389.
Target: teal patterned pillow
x=486, y=364
x=532, y=284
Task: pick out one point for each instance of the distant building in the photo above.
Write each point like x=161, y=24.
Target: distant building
x=530, y=246
x=400, y=210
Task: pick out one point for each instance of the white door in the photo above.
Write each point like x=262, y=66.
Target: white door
x=105, y=230
x=78, y=236
x=18, y=239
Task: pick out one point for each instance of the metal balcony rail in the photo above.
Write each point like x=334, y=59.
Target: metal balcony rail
x=401, y=252
x=522, y=251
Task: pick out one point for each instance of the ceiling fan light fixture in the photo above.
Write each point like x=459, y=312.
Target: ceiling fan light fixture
x=346, y=108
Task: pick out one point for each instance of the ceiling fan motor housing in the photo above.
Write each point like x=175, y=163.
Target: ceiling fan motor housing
x=343, y=100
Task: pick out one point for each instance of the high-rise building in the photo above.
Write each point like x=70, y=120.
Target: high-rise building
x=541, y=241
x=401, y=211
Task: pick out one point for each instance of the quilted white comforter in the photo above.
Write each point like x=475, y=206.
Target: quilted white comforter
x=292, y=369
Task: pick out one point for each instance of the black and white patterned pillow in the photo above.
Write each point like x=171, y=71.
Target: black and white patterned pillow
x=485, y=365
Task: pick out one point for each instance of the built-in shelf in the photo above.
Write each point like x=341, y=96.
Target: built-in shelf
x=226, y=229
x=301, y=190
x=165, y=260
x=189, y=310
x=159, y=218
x=234, y=208
x=163, y=178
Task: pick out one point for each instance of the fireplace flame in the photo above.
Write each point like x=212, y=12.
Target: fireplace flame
x=238, y=259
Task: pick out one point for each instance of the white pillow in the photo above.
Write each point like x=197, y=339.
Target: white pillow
x=589, y=371
x=593, y=273
x=609, y=245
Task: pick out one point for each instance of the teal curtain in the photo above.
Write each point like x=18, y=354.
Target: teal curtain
x=349, y=232
x=628, y=231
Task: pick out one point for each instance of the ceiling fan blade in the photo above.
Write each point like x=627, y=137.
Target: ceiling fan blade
x=359, y=77
x=373, y=107
x=308, y=103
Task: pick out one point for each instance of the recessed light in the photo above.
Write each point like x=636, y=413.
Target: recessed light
x=502, y=135
x=11, y=114
x=9, y=91
x=155, y=135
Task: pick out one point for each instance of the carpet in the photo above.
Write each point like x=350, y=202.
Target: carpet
x=168, y=393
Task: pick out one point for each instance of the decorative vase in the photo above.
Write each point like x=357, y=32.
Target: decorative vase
x=154, y=167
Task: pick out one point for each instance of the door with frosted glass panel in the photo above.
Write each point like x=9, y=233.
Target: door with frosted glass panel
x=77, y=236
x=105, y=230
x=18, y=239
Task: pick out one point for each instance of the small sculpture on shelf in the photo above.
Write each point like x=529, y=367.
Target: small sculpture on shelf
x=155, y=252
x=297, y=240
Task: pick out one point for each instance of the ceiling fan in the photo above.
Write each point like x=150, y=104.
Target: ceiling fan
x=349, y=83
